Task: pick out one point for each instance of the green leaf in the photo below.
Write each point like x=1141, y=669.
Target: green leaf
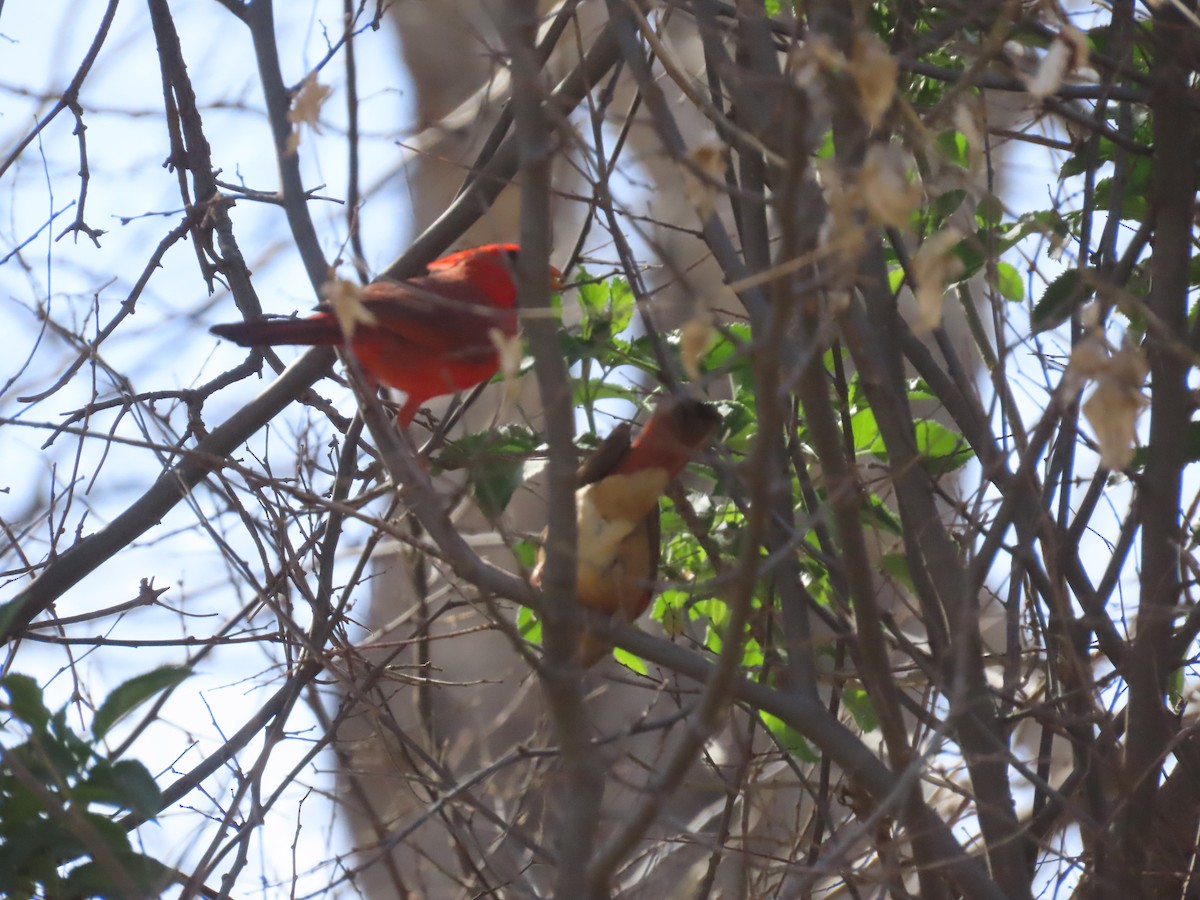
x=789, y=738
x=629, y=661
x=109, y=832
x=865, y=430
x=1008, y=282
x=8, y=613
x=25, y=700
x=955, y=148
x=729, y=352
x=713, y=609
x=621, y=304
x=1191, y=449
x=30, y=854
x=1093, y=154
x=607, y=308
x=941, y=449
x=529, y=626
x=94, y=880
x=135, y=692
x=877, y=515
x=497, y=462
x=525, y=550
x=1062, y=297
x=989, y=211
x=1175, y=689
x=125, y=784
x=896, y=565
x=859, y=706
x=827, y=149
x=575, y=348
x=668, y=610
x=752, y=655
x=587, y=391
x=945, y=204
x=971, y=254
x=919, y=390
x=713, y=641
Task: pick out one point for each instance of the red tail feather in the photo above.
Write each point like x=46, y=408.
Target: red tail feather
x=318, y=330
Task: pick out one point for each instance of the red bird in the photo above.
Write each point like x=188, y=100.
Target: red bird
x=616, y=508
x=427, y=336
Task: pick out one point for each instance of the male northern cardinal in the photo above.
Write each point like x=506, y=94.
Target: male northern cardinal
x=616, y=508
x=428, y=336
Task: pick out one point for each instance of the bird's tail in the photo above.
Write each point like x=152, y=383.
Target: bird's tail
x=269, y=332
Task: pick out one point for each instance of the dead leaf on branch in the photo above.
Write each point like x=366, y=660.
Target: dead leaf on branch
x=701, y=185
x=511, y=352
x=888, y=191
x=1113, y=408
x=694, y=339
x=345, y=299
x=306, y=108
x=934, y=267
x=1067, y=53
x=874, y=70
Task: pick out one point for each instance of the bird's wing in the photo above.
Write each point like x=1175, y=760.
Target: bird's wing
x=448, y=320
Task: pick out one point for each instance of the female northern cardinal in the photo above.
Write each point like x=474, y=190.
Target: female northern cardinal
x=616, y=508
x=427, y=336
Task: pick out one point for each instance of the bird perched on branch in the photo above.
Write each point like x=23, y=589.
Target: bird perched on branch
x=616, y=508
x=434, y=334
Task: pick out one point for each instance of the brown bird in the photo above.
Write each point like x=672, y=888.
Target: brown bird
x=617, y=511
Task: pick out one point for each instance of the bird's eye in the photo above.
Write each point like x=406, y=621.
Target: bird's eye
x=512, y=255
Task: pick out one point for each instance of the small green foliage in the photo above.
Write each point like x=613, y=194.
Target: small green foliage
x=587, y=391
x=49, y=784
x=1062, y=296
x=941, y=449
x=877, y=515
x=497, y=460
x=529, y=626
x=124, y=784
x=1008, y=282
x=896, y=566
x=971, y=253
x=1175, y=685
x=1191, y=449
x=752, y=656
x=669, y=610
x=739, y=425
x=789, y=738
x=629, y=661
x=955, y=148
x=607, y=307
x=8, y=613
x=525, y=551
x=710, y=608
x=944, y=205
x=865, y=430
x=1134, y=193
x=25, y=700
x=135, y=692
x=730, y=354
x=858, y=704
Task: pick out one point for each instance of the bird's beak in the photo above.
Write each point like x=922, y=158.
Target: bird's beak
x=556, y=281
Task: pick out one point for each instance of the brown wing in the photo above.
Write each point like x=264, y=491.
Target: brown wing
x=448, y=321
x=606, y=457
